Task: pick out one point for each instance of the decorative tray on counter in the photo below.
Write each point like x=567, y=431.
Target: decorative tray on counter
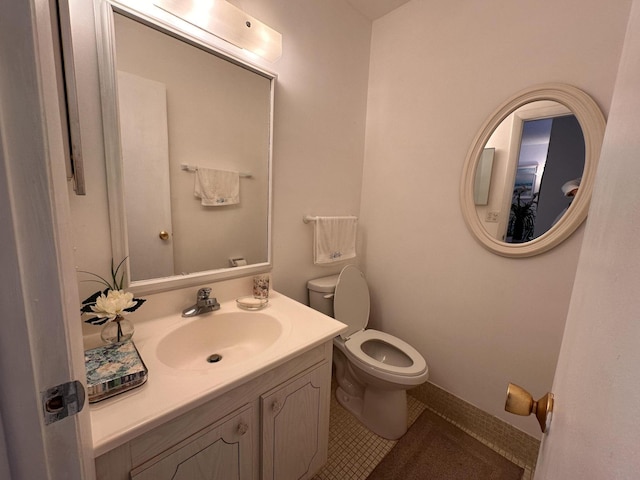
x=113, y=369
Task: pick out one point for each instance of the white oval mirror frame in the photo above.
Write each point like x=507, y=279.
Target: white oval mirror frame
x=593, y=124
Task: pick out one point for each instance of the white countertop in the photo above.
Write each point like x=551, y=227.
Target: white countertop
x=170, y=392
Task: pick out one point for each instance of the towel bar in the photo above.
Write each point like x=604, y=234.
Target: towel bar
x=310, y=218
x=193, y=168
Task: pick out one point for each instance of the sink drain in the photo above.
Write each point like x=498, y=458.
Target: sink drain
x=214, y=358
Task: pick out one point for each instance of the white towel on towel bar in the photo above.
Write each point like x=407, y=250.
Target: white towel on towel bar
x=334, y=239
x=217, y=188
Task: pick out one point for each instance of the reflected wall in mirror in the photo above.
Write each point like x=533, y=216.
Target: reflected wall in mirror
x=542, y=139
x=174, y=105
x=483, y=176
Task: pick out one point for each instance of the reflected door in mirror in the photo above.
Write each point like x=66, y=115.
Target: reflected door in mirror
x=145, y=158
x=565, y=162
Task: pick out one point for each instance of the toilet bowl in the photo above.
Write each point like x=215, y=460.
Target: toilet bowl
x=373, y=368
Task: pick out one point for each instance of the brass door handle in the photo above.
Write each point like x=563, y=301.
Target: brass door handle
x=164, y=235
x=520, y=402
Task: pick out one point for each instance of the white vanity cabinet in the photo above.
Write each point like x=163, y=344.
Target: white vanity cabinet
x=275, y=426
x=222, y=451
x=294, y=438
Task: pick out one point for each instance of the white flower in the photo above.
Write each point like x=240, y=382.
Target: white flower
x=113, y=304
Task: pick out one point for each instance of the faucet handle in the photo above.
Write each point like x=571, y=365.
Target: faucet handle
x=203, y=293
x=204, y=304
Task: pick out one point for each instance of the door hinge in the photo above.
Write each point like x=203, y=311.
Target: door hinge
x=62, y=401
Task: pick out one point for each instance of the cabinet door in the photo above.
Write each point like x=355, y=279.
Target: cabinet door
x=222, y=451
x=295, y=426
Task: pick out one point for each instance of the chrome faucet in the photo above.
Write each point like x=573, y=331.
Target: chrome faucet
x=204, y=304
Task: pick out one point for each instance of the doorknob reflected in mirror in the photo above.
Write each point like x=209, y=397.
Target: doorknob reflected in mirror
x=520, y=402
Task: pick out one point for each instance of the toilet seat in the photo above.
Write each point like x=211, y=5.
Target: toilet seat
x=354, y=344
x=351, y=304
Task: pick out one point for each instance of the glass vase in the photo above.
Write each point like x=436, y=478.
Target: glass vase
x=117, y=330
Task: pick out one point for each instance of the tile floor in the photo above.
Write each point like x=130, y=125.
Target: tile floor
x=354, y=451
x=510, y=442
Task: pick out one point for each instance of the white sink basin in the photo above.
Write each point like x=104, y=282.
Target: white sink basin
x=219, y=340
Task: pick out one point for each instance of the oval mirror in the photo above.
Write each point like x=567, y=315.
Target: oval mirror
x=528, y=176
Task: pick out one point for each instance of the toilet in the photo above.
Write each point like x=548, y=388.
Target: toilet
x=373, y=369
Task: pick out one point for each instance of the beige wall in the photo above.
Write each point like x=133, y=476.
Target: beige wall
x=438, y=69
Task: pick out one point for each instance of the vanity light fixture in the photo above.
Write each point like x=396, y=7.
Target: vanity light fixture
x=229, y=23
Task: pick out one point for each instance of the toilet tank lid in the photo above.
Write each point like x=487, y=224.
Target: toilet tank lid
x=323, y=284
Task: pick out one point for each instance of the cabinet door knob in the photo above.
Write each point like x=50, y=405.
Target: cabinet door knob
x=243, y=428
x=277, y=406
x=164, y=235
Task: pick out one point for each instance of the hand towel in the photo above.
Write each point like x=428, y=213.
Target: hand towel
x=334, y=239
x=217, y=187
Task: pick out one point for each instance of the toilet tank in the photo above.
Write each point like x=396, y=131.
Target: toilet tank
x=321, y=292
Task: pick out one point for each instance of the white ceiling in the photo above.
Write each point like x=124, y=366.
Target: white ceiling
x=374, y=9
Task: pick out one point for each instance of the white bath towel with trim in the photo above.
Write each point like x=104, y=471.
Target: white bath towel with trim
x=334, y=239
x=217, y=188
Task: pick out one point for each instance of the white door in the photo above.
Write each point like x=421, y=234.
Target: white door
x=595, y=431
x=41, y=338
x=142, y=106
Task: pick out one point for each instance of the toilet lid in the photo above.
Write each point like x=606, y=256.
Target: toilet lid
x=351, y=300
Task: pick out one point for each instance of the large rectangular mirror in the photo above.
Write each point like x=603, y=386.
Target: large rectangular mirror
x=184, y=123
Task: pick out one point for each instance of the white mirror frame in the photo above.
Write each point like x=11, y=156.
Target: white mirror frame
x=593, y=125
x=150, y=15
